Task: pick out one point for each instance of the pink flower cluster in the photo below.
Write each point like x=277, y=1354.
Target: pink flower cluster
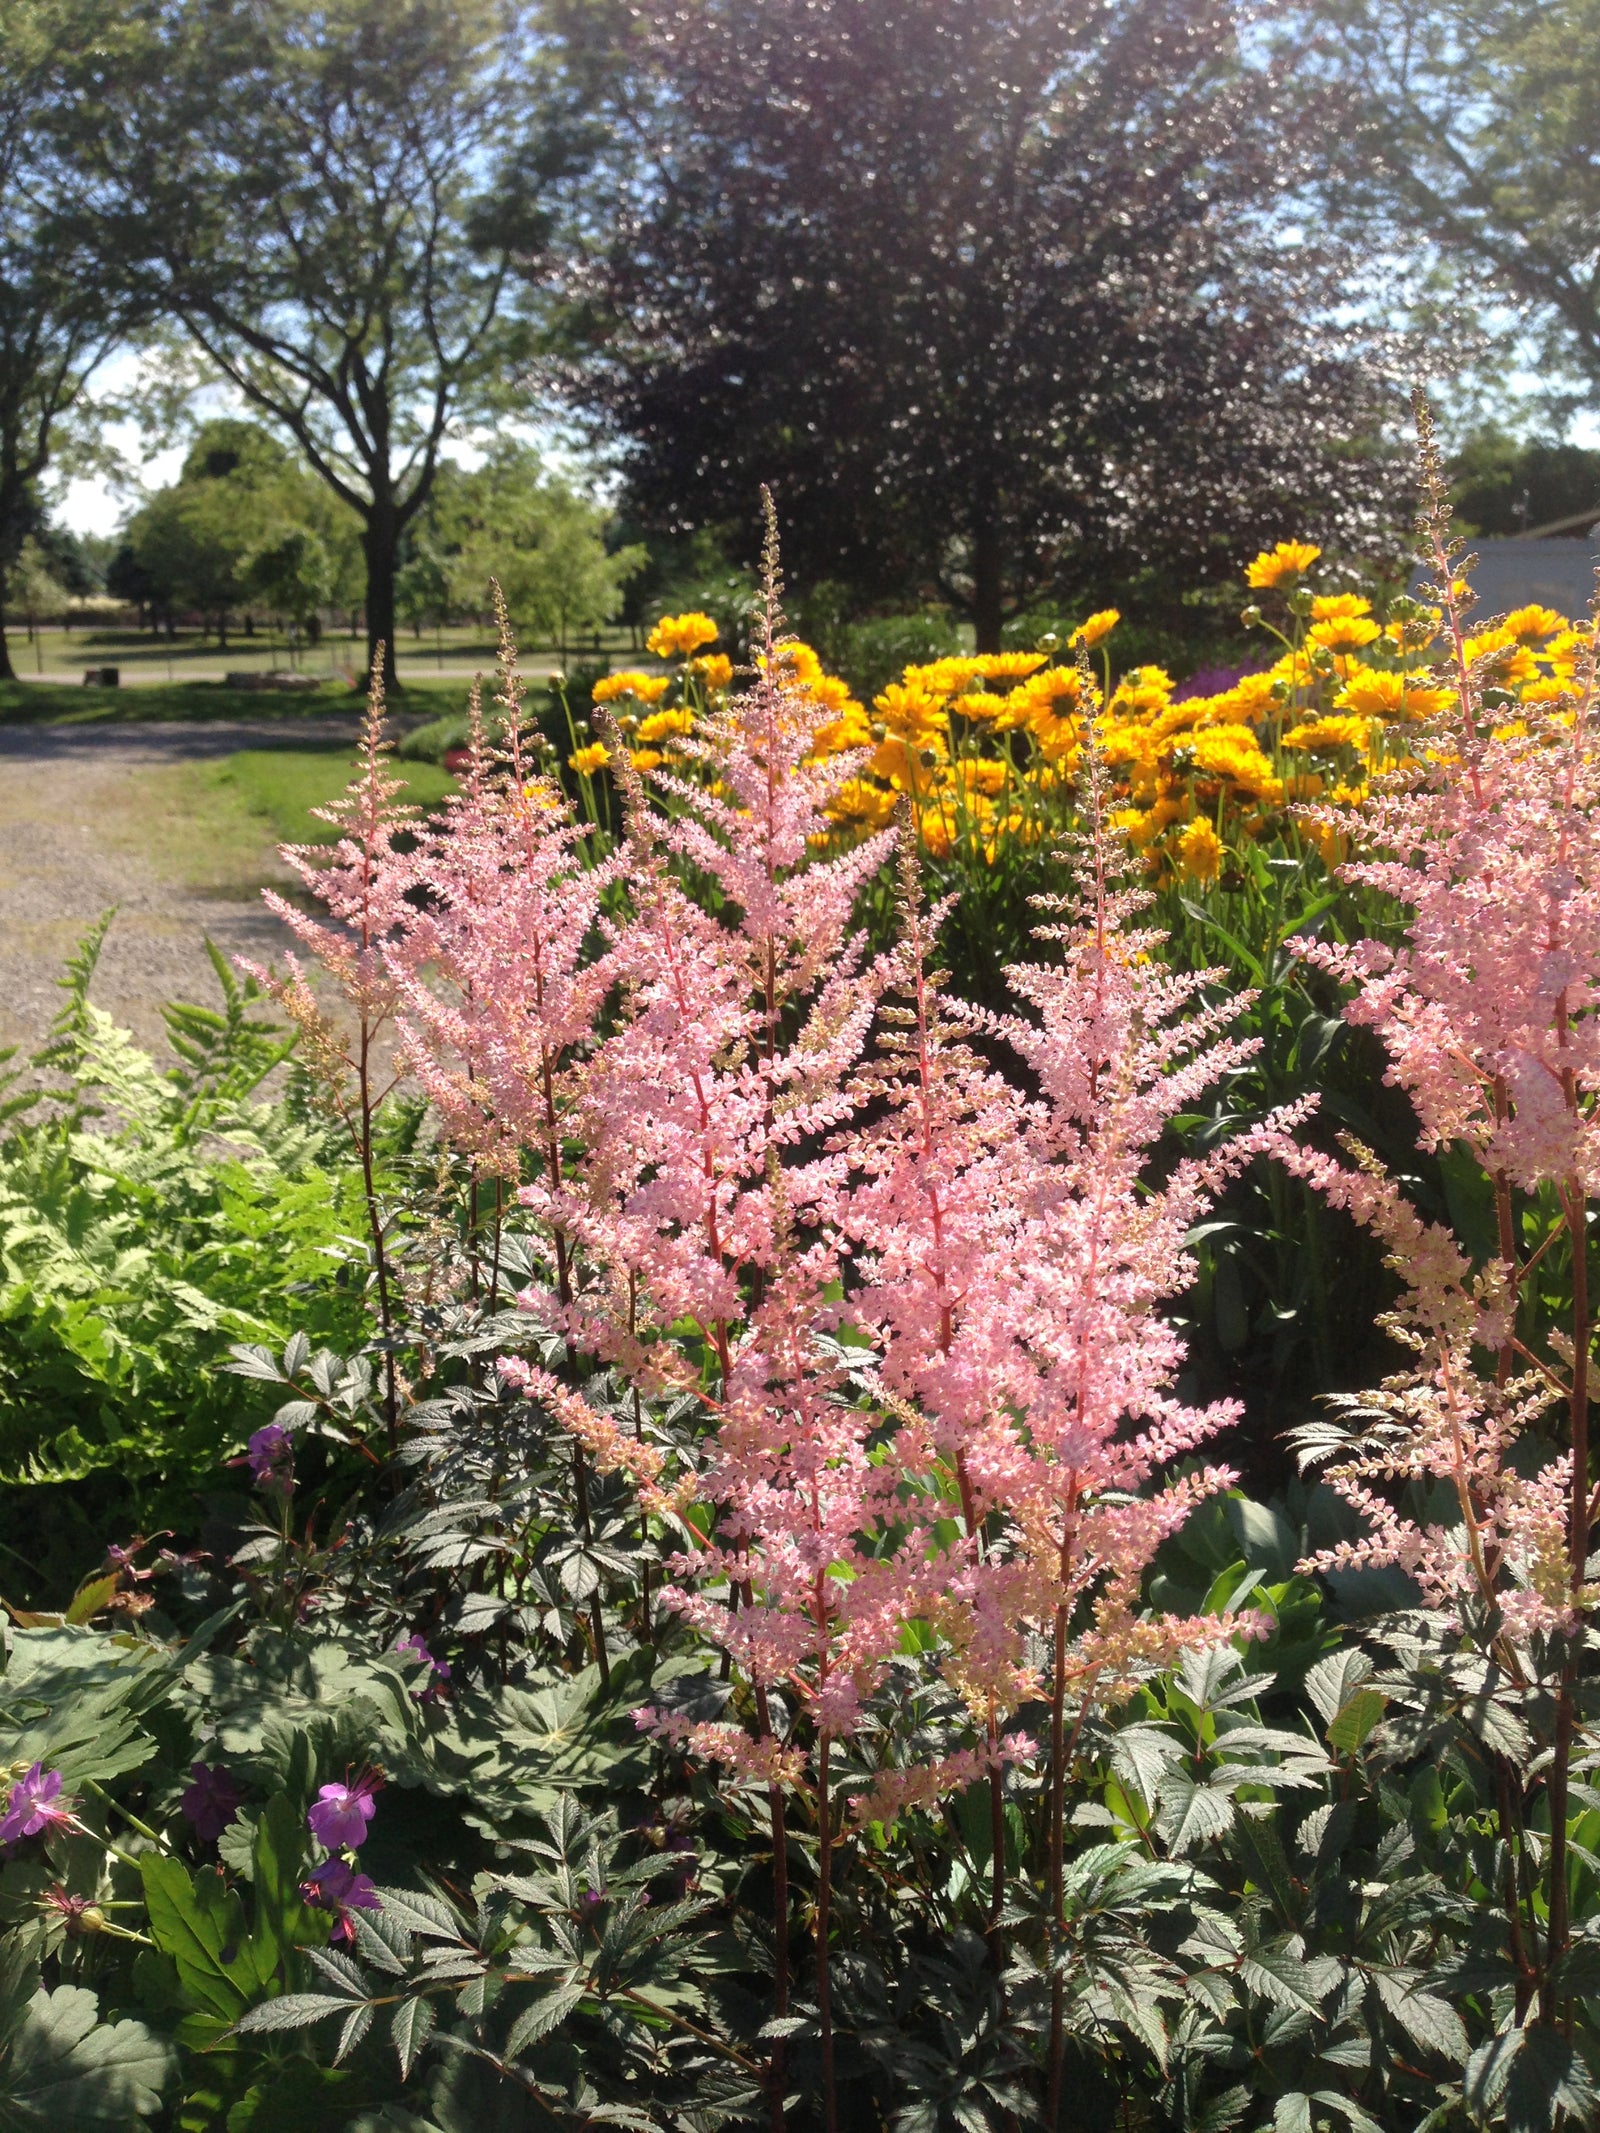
x=1488, y=1014
x=919, y=1313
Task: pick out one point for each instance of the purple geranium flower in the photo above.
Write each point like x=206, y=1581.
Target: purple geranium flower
x=1213, y=681
x=337, y=1887
x=211, y=1802
x=411, y=1646
x=339, y=1815
x=270, y=1458
x=34, y=1806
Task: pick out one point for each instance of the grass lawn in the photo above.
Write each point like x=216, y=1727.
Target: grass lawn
x=280, y=787
x=216, y=826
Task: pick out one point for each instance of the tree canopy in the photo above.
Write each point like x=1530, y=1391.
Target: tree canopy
x=513, y=520
x=60, y=304
x=328, y=195
x=1473, y=126
x=244, y=524
x=1505, y=485
x=985, y=290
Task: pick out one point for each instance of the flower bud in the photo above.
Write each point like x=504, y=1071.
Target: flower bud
x=1251, y=617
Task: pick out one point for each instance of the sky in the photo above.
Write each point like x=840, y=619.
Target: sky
x=99, y=503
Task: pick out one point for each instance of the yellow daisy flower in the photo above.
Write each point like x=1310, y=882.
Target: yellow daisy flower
x=1278, y=566
x=675, y=636
x=648, y=688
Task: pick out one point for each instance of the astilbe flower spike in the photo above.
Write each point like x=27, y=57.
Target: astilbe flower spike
x=509, y=1000
x=713, y=1195
x=362, y=886
x=1490, y=838
x=1488, y=1013
x=497, y=994
x=1072, y=1449
x=364, y=889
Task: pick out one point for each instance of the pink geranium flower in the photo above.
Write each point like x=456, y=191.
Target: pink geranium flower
x=35, y=1806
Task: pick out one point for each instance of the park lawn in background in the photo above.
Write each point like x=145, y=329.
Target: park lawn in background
x=280, y=787
x=216, y=826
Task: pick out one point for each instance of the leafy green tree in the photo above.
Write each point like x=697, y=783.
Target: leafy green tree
x=422, y=583
x=60, y=308
x=1505, y=485
x=329, y=198
x=545, y=542
x=983, y=291
x=34, y=589
x=241, y=494
x=289, y=573
x=1472, y=128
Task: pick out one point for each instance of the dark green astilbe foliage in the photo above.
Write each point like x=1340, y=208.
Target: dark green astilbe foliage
x=1276, y=1890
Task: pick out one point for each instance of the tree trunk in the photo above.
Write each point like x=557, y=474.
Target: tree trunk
x=380, y=542
x=986, y=584
x=7, y=671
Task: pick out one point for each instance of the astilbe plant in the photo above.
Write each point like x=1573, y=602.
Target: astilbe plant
x=1020, y=1252
x=905, y=1319
x=704, y=1198
x=1472, y=1467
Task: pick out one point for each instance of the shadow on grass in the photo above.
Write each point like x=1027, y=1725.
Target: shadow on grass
x=26, y=703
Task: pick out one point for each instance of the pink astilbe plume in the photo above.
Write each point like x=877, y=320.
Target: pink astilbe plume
x=934, y=1210
x=362, y=886
x=1446, y=1420
x=1488, y=1014
x=709, y=1192
x=1487, y=1010
x=1119, y=1045
x=498, y=987
x=738, y=1031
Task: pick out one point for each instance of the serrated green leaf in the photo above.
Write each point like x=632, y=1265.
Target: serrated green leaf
x=1357, y=1718
x=1333, y=1681
x=67, y=2069
x=542, y=2017
x=283, y=1919
x=1429, y=2021
x=411, y=2028
x=1280, y=1978
x=1192, y=1813
x=290, y=2010
x=90, y=1597
x=355, y=2028
x=201, y=1925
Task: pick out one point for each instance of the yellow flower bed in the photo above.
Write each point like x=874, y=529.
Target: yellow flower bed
x=984, y=751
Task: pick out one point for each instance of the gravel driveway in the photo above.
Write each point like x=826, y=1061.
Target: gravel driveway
x=66, y=804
